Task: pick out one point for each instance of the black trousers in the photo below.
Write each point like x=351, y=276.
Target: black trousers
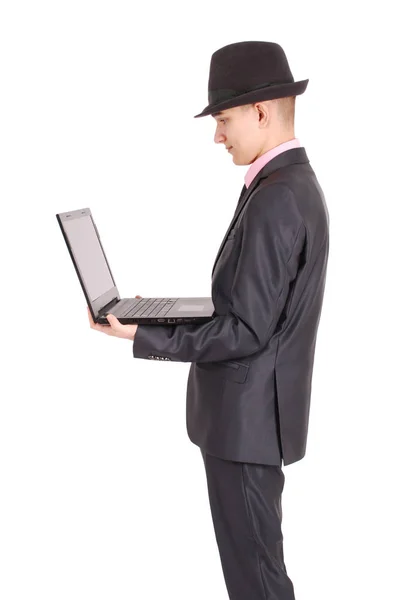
x=245, y=502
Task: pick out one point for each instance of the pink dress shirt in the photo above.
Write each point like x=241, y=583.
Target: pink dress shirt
x=264, y=159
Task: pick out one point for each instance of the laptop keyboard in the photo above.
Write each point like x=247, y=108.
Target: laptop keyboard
x=151, y=307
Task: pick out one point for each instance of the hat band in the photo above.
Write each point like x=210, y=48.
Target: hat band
x=217, y=96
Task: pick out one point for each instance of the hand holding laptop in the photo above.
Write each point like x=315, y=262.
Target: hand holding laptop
x=115, y=329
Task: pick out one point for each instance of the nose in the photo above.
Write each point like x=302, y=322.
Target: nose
x=219, y=137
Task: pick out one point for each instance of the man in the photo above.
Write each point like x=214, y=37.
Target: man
x=249, y=383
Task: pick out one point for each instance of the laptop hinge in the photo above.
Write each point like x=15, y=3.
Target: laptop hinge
x=108, y=306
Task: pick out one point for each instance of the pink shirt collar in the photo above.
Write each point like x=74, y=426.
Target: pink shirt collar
x=260, y=162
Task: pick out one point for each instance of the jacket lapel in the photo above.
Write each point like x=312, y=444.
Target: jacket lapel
x=295, y=155
x=245, y=193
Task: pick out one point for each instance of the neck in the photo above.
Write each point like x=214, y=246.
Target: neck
x=273, y=142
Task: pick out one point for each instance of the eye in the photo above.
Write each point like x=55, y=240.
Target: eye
x=222, y=121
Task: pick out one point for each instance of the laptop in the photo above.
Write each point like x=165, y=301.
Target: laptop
x=100, y=290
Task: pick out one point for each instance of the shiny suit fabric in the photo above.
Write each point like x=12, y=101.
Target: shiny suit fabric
x=250, y=379
x=245, y=503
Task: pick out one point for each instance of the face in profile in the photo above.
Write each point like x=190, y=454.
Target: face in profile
x=238, y=129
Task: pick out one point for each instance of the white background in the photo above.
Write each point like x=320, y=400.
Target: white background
x=103, y=496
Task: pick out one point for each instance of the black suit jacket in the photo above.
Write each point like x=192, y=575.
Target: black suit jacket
x=249, y=384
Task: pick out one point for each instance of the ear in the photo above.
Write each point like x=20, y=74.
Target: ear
x=263, y=113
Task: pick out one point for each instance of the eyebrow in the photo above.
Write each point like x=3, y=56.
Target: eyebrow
x=217, y=114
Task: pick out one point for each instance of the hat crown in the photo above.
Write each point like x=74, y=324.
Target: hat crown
x=245, y=66
x=249, y=72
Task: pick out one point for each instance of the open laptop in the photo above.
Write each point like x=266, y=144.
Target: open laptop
x=101, y=293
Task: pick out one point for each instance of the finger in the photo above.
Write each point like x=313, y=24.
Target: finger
x=114, y=322
x=138, y=296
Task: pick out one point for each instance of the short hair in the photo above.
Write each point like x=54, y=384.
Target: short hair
x=285, y=110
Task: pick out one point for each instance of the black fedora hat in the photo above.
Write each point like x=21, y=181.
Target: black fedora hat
x=247, y=72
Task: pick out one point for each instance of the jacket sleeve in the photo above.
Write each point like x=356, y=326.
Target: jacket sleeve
x=272, y=237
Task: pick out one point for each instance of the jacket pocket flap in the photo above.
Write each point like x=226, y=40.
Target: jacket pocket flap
x=232, y=370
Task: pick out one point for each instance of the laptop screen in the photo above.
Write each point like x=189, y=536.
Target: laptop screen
x=89, y=256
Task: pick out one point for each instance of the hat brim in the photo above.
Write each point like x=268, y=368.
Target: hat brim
x=267, y=93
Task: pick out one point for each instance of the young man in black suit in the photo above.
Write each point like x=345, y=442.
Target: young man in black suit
x=249, y=384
